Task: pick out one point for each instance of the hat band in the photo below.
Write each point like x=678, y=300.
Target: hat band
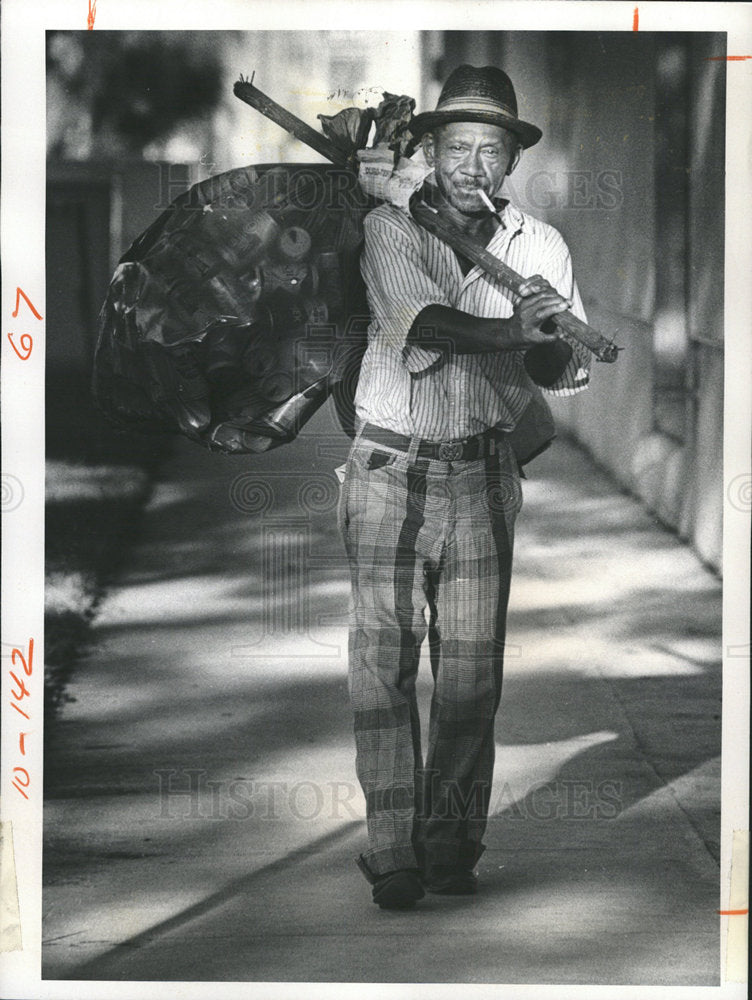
x=474, y=104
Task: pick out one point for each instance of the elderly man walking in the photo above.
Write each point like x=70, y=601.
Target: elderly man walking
x=432, y=485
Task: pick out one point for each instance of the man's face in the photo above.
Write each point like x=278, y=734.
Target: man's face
x=470, y=155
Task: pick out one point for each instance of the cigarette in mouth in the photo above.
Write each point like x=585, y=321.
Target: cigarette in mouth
x=487, y=201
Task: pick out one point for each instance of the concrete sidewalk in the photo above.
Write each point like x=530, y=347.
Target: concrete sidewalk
x=203, y=814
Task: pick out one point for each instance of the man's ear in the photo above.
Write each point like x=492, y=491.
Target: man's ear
x=515, y=159
x=429, y=148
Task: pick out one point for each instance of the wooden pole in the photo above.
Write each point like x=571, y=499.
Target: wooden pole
x=290, y=123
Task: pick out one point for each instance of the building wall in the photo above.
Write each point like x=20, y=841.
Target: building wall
x=631, y=171
x=309, y=73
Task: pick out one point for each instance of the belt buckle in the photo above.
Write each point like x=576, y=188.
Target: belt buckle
x=450, y=451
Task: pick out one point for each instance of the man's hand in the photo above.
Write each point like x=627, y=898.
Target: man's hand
x=539, y=301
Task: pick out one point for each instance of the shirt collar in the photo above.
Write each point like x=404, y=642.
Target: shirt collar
x=511, y=217
x=512, y=223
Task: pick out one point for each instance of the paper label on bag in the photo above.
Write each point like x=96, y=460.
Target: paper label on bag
x=379, y=177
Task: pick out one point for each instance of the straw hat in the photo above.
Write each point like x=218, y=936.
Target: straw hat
x=477, y=94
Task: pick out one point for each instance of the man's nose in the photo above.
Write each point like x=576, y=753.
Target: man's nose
x=472, y=165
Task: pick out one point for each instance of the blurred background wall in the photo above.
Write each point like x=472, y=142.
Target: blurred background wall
x=630, y=170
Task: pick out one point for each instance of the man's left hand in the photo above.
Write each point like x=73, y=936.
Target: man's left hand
x=538, y=302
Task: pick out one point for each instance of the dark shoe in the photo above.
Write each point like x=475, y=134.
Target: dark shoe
x=398, y=890
x=450, y=880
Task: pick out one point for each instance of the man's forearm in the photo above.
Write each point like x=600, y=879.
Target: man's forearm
x=452, y=331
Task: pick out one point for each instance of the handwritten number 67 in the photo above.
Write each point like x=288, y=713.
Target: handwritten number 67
x=26, y=341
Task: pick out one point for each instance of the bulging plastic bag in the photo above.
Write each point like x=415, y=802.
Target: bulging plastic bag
x=239, y=310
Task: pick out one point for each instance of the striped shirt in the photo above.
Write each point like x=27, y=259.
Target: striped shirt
x=416, y=390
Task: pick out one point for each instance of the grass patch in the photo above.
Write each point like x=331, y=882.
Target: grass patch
x=90, y=514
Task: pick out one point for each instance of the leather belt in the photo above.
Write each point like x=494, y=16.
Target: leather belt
x=465, y=450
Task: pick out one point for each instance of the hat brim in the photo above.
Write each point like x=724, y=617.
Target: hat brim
x=528, y=134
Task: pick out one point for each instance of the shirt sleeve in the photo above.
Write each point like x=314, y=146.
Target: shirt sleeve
x=557, y=270
x=398, y=288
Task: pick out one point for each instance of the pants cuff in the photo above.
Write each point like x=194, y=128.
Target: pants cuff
x=374, y=864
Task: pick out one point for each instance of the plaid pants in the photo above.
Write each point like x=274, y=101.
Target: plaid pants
x=430, y=550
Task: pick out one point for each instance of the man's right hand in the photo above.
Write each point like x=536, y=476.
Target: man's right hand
x=539, y=301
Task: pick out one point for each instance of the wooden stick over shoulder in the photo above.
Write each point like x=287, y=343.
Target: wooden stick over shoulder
x=289, y=122
x=567, y=322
